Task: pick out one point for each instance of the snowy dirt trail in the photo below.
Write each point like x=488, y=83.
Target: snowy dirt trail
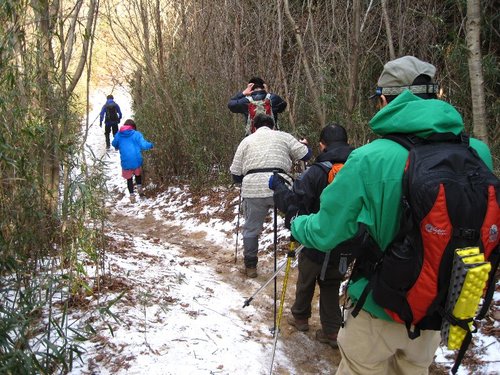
x=182, y=311
x=182, y=306
x=222, y=291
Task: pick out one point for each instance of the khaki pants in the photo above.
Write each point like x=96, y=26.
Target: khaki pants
x=372, y=346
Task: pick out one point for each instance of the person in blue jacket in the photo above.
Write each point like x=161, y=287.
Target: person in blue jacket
x=112, y=115
x=256, y=89
x=131, y=143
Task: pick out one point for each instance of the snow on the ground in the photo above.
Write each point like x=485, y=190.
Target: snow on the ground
x=189, y=327
x=204, y=331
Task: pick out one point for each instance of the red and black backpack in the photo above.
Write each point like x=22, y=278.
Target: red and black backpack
x=450, y=200
x=258, y=106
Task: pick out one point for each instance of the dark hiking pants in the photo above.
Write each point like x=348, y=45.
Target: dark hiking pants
x=107, y=129
x=329, y=309
x=130, y=183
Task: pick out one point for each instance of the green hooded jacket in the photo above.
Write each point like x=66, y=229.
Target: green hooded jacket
x=367, y=190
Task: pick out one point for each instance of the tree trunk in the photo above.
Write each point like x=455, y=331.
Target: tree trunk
x=388, y=31
x=91, y=16
x=354, y=57
x=282, y=72
x=45, y=64
x=475, y=70
x=320, y=113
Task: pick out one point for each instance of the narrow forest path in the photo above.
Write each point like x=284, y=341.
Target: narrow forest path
x=172, y=254
x=147, y=258
x=303, y=352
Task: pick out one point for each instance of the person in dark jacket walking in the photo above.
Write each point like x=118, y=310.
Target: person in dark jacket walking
x=112, y=115
x=314, y=267
x=256, y=90
x=131, y=143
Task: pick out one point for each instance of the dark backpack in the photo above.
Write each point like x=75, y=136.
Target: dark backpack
x=255, y=107
x=450, y=201
x=343, y=253
x=112, y=113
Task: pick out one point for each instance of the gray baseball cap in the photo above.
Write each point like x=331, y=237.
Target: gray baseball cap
x=399, y=74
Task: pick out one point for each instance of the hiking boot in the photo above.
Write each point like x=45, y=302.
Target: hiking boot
x=251, y=272
x=132, y=198
x=300, y=324
x=140, y=190
x=330, y=339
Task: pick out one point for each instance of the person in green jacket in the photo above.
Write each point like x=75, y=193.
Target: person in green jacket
x=367, y=191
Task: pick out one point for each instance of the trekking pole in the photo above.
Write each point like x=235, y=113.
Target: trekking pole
x=290, y=256
x=237, y=228
x=275, y=176
x=92, y=123
x=250, y=299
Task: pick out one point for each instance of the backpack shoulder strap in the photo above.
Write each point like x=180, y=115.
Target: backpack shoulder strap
x=494, y=259
x=324, y=165
x=331, y=169
x=449, y=137
x=408, y=141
